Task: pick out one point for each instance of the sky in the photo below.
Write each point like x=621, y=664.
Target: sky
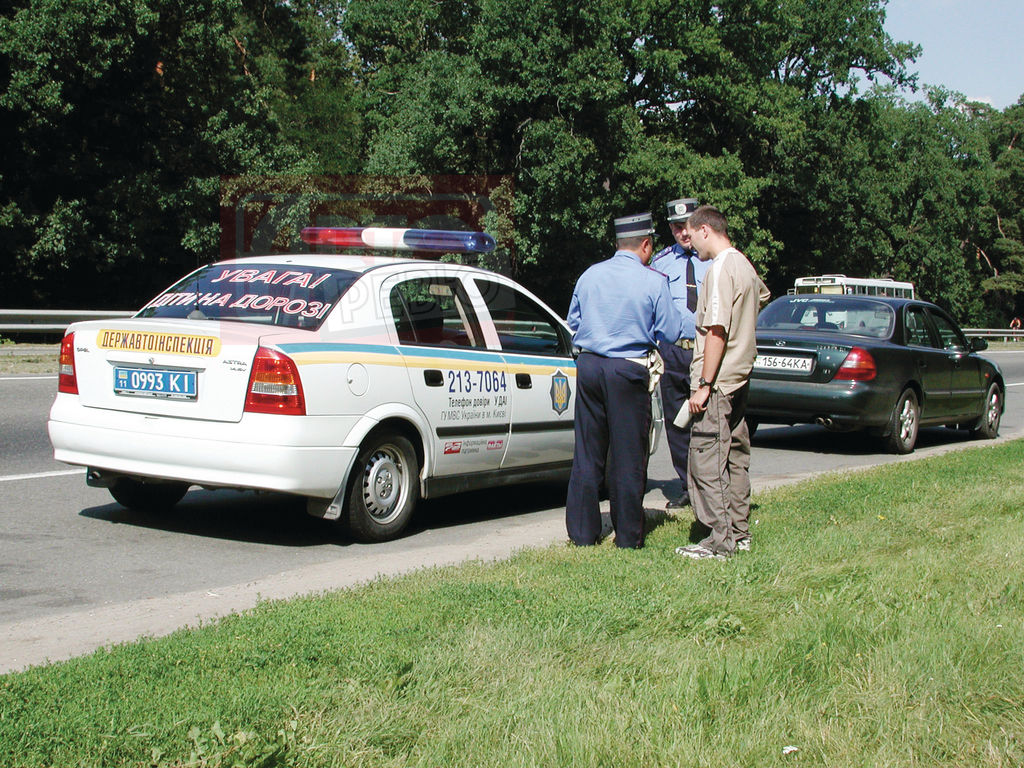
x=975, y=47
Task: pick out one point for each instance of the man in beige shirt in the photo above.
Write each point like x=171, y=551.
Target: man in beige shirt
x=719, y=465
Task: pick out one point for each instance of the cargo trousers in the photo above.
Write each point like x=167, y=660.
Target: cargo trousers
x=718, y=472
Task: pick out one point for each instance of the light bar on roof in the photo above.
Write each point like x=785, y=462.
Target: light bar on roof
x=388, y=238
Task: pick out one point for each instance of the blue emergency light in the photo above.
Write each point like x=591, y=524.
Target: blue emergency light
x=390, y=238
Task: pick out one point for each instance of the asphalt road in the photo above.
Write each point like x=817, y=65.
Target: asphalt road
x=78, y=571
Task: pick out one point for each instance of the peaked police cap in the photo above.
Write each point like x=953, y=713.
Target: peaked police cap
x=637, y=225
x=681, y=210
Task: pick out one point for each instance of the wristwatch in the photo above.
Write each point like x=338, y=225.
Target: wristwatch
x=702, y=382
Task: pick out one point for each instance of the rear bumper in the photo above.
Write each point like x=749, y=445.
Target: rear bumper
x=846, y=405
x=260, y=452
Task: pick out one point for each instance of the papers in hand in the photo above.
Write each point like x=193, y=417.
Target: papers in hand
x=682, y=419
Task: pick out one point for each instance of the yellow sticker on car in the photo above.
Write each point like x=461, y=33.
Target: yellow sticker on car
x=167, y=343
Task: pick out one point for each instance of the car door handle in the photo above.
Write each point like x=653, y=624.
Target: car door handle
x=433, y=377
x=523, y=381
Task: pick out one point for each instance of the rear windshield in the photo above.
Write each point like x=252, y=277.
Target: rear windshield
x=819, y=314
x=275, y=294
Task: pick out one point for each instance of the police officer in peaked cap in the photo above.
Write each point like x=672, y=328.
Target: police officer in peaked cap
x=619, y=312
x=685, y=272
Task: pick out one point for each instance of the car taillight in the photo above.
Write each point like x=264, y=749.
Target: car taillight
x=274, y=385
x=66, y=380
x=859, y=365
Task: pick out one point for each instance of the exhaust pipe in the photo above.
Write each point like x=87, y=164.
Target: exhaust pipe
x=96, y=478
x=824, y=421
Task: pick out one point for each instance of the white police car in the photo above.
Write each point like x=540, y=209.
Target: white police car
x=361, y=382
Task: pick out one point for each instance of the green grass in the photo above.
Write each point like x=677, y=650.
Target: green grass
x=878, y=621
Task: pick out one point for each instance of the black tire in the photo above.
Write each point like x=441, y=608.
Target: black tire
x=752, y=425
x=147, y=497
x=987, y=426
x=384, y=489
x=905, y=423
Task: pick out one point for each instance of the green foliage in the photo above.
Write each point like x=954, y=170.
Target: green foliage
x=242, y=749
x=122, y=119
x=893, y=180
x=999, y=225
x=534, y=89
x=600, y=108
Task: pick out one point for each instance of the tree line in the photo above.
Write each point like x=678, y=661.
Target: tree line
x=127, y=127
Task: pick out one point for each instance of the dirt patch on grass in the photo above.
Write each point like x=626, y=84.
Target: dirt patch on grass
x=36, y=360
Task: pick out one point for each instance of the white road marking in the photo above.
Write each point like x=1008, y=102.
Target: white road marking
x=36, y=475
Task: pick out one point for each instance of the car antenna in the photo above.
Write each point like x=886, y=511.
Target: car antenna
x=196, y=313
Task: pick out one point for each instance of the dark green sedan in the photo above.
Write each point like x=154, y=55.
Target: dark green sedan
x=863, y=362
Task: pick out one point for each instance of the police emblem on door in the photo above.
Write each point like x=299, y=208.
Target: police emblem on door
x=560, y=392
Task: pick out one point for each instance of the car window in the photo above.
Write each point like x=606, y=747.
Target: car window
x=817, y=314
x=917, y=328
x=949, y=334
x=522, y=324
x=434, y=310
x=276, y=294
x=810, y=317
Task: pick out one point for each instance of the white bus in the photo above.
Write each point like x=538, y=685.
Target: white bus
x=856, y=286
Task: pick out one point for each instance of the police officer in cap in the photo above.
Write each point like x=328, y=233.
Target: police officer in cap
x=685, y=273
x=620, y=310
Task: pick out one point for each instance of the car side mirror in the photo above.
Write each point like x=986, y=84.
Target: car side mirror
x=978, y=344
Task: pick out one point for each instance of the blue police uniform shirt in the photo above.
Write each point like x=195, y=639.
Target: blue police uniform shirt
x=620, y=308
x=672, y=262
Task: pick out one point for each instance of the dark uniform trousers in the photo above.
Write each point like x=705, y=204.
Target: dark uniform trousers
x=675, y=391
x=613, y=421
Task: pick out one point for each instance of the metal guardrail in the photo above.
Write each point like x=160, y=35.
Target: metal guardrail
x=995, y=333
x=57, y=320
x=43, y=321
